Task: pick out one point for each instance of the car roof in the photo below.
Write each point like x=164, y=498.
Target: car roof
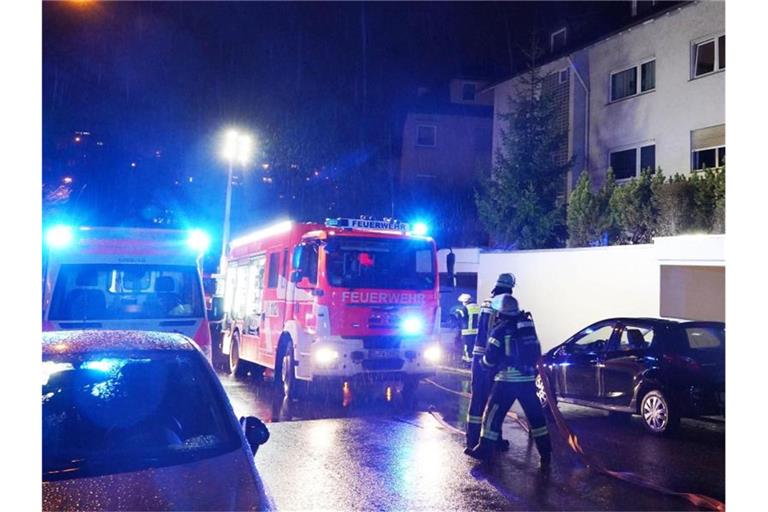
x=661, y=321
x=83, y=341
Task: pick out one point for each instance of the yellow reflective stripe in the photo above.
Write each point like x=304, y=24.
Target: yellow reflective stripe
x=473, y=308
x=492, y=436
x=493, y=341
x=467, y=332
x=478, y=351
x=538, y=432
x=508, y=345
x=524, y=324
x=485, y=431
x=500, y=377
x=474, y=419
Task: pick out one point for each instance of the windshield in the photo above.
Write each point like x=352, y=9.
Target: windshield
x=107, y=291
x=108, y=413
x=380, y=263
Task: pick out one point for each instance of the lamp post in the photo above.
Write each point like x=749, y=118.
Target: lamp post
x=238, y=148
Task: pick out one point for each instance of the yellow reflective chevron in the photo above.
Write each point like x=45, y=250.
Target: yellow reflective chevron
x=538, y=432
x=493, y=341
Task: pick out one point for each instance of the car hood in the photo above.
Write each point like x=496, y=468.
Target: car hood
x=226, y=482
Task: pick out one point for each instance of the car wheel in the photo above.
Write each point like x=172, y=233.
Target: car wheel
x=540, y=393
x=237, y=366
x=658, y=417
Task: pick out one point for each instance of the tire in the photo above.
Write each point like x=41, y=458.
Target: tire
x=540, y=393
x=218, y=359
x=659, y=417
x=285, y=376
x=237, y=366
x=410, y=385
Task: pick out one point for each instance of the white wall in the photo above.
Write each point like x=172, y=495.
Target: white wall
x=467, y=260
x=568, y=289
x=677, y=106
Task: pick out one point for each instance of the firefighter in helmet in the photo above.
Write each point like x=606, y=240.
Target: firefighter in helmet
x=482, y=377
x=514, y=349
x=469, y=314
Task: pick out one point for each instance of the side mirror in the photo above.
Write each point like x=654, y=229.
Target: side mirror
x=256, y=432
x=217, y=309
x=296, y=275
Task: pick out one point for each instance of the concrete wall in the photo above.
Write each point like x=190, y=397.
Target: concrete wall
x=568, y=289
x=679, y=104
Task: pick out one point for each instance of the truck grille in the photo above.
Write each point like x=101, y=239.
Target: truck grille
x=381, y=342
x=382, y=364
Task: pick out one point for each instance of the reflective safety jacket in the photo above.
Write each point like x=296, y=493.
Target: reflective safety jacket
x=513, y=348
x=486, y=323
x=469, y=315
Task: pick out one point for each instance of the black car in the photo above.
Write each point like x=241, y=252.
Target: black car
x=660, y=369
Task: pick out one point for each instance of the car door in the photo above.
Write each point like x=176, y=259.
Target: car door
x=577, y=362
x=623, y=361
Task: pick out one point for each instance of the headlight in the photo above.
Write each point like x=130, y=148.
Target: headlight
x=412, y=325
x=433, y=354
x=326, y=355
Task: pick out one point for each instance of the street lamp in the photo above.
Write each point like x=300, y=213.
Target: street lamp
x=237, y=148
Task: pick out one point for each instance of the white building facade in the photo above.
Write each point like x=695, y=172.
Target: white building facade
x=651, y=95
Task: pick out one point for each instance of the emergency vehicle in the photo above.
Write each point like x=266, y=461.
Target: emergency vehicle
x=353, y=299
x=125, y=278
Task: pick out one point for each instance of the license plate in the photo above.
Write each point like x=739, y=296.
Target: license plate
x=383, y=354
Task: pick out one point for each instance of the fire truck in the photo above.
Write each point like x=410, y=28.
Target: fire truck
x=125, y=278
x=350, y=300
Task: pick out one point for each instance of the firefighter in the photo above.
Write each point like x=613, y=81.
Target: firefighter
x=482, y=378
x=514, y=349
x=469, y=314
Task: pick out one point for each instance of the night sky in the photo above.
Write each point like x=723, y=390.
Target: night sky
x=323, y=86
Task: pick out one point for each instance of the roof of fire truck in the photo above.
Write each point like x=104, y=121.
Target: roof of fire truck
x=253, y=241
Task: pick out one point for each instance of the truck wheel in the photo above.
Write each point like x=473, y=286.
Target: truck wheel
x=410, y=385
x=285, y=375
x=237, y=366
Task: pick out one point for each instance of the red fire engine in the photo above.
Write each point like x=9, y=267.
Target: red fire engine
x=353, y=299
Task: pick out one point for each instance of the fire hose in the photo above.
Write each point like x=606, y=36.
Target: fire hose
x=589, y=461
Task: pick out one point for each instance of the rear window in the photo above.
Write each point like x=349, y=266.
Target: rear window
x=114, y=412
x=705, y=338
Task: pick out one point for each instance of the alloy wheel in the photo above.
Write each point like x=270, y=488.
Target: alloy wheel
x=655, y=412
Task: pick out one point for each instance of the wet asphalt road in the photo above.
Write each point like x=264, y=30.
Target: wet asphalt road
x=374, y=451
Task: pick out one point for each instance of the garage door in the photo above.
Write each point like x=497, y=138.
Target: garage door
x=693, y=292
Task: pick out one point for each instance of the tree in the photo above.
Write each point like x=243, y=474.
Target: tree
x=521, y=202
x=590, y=221
x=635, y=208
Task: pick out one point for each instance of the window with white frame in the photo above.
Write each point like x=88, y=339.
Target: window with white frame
x=557, y=40
x=426, y=135
x=625, y=83
x=627, y=163
x=709, y=56
x=708, y=147
x=562, y=76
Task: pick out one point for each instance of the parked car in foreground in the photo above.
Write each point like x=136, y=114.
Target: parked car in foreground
x=660, y=369
x=138, y=420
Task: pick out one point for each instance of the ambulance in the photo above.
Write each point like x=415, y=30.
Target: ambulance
x=345, y=301
x=125, y=278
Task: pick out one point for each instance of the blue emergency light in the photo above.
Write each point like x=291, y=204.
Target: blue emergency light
x=59, y=237
x=198, y=240
x=420, y=228
x=412, y=325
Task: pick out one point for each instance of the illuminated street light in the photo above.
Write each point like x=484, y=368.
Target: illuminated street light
x=238, y=148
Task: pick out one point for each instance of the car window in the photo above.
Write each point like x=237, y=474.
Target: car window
x=705, y=338
x=592, y=338
x=634, y=337
x=110, y=413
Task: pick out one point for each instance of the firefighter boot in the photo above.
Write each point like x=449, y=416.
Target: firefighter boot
x=482, y=452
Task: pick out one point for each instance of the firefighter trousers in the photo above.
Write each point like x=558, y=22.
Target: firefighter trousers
x=468, y=344
x=482, y=381
x=503, y=395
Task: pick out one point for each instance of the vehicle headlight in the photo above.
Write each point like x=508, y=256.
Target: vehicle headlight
x=325, y=355
x=412, y=325
x=433, y=354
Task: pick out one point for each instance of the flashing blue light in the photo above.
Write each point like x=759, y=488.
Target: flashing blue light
x=198, y=240
x=59, y=236
x=102, y=365
x=412, y=325
x=420, y=228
